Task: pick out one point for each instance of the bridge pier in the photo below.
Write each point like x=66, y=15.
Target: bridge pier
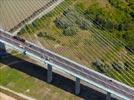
x=77, y=86
x=24, y=52
x=2, y=47
x=108, y=97
x=49, y=73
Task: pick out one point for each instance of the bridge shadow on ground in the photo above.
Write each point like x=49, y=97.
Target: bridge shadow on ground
x=58, y=80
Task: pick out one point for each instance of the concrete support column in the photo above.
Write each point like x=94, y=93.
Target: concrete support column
x=77, y=86
x=49, y=73
x=108, y=97
x=2, y=47
x=24, y=52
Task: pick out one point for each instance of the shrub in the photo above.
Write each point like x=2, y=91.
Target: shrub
x=70, y=31
x=83, y=23
x=46, y=35
x=62, y=23
x=41, y=34
x=129, y=40
x=100, y=65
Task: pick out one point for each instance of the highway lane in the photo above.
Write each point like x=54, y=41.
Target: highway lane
x=89, y=74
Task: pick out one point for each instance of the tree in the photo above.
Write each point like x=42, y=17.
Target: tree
x=83, y=23
x=41, y=34
x=70, y=31
x=100, y=65
x=129, y=41
x=62, y=22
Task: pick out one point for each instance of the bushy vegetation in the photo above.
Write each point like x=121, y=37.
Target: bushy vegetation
x=103, y=66
x=69, y=31
x=117, y=19
x=100, y=65
x=124, y=5
x=45, y=35
x=129, y=40
x=71, y=21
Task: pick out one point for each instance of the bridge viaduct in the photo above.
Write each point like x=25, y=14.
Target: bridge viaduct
x=110, y=86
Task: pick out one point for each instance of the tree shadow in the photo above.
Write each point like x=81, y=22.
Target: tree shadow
x=58, y=80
